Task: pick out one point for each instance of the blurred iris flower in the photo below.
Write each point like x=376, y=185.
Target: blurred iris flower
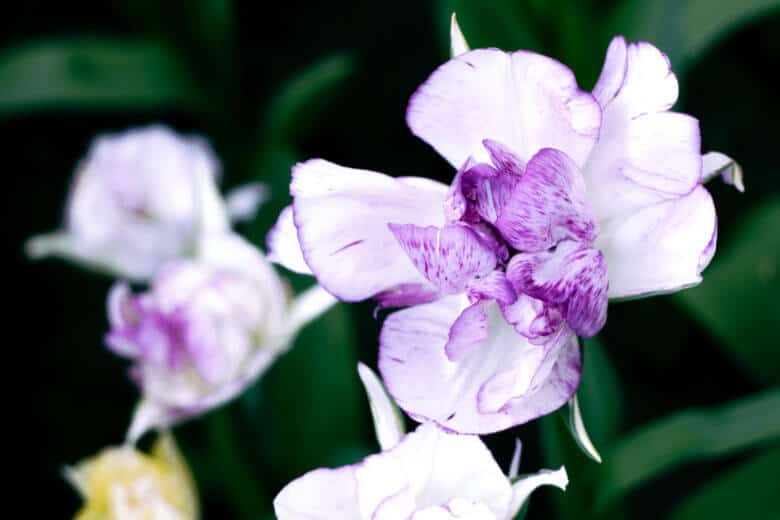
x=122, y=483
x=562, y=199
x=205, y=330
x=428, y=474
x=143, y=197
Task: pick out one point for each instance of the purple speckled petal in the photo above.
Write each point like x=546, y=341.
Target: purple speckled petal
x=573, y=277
x=504, y=159
x=448, y=257
x=342, y=214
x=429, y=386
x=493, y=286
x=661, y=248
x=646, y=154
x=547, y=205
x=524, y=100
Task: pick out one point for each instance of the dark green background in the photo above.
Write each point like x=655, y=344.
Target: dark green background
x=270, y=84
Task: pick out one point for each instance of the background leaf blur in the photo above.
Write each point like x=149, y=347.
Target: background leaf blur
x=679, y=393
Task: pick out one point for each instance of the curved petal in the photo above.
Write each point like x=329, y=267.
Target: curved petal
x=524, y=100
x=523, y=488
x=342, y=215
x=322, y=494
x=458, y=44
x=645, y=154
x=283, y=246
x=716, y=163
x=388, y=424
x=428, y=385
x=661, y=248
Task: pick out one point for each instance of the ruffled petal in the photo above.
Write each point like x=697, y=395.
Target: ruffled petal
x=342, y=215
x=548, y=204
x=428, y=385
x=573, y=278
x=532, y=318
x=524, y=100
x=661, y=248
x=645, y=154
x=448, y=257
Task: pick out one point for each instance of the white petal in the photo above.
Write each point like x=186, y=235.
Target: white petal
x=716, y=163
x=502, y=382
x=322, y=494
x=660, y=248
x=388, y=424
x=283, y=246
x=523, y=488
x=645, y=153
x=243, y=201
x=523, y=100
x=342, y=216
x=458, y=43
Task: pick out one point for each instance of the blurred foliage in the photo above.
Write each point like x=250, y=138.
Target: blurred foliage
x=271, y=85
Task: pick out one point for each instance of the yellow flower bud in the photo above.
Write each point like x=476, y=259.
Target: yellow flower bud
x=123, y=483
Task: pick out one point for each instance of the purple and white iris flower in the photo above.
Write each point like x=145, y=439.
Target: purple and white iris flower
x=143, y=197
x=205, y=330
x=428, y=474
x=562, y=200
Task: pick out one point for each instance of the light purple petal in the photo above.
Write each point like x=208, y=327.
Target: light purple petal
x=524, y=100
x=493, y=286
x=342, y=216
x=467, y=332
x=532, y=318
x=573, y=277
x=716, y=163
x=547, y=205
x=448, y=257
x=645, y=154
x=428, y=385
x=283, y=246
x=406, y=294
x=661, y=248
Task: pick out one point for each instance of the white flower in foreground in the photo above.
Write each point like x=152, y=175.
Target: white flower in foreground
x=140, y=198
x=205, y=330
x=122, y=483
x=428, y=474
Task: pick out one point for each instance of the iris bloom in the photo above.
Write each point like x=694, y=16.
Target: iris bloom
x=562, y=199
x=205, y=330
x=123, y=483
x=428, y=474
x=140, y=198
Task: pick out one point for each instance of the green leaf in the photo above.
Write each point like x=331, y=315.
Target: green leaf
x=94, y=74
x=686, y=437
x=686, y=29
x=316, y=409
x=599, y=394
x=507, y=24
x=737, y=301
x=299, y=100
x=749, y=491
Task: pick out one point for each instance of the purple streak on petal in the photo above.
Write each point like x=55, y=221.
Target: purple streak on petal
x=547, y=205
x=467, y=332
x=406, y=294
x=504, y=159
x=573, y=277
x=493, y=286
x=448, y=256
